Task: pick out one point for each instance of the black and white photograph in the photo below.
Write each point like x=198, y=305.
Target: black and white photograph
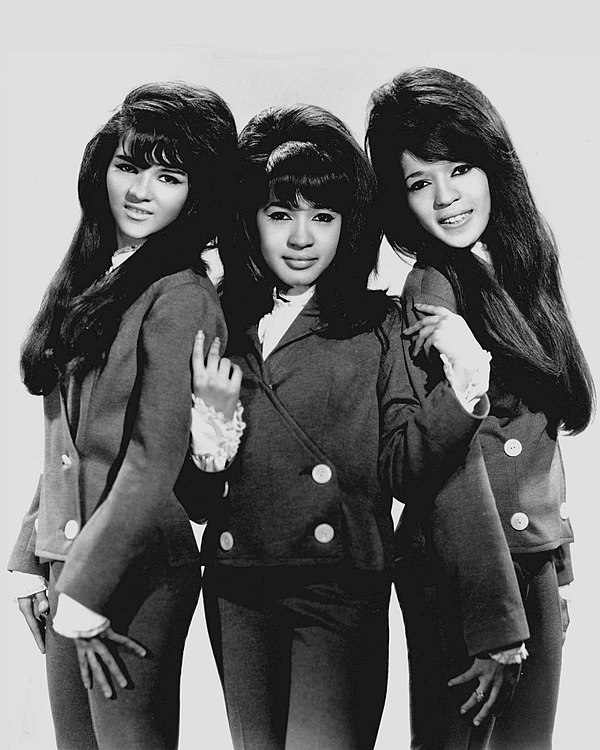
x=300, y=366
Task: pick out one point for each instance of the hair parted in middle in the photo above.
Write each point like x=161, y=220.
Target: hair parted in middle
x=295, y=153
x=518, y=312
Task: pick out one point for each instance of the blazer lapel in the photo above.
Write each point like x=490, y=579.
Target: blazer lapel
x=306, y=322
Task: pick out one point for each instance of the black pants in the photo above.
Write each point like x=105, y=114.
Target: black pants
x=154, y=606
x=302, y=655
x=436, y=652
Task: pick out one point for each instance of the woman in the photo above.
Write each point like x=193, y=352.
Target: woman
x=298, y=552
x=455, y=197
x=110, y=351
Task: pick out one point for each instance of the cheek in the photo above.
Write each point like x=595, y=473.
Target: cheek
x=417, y=206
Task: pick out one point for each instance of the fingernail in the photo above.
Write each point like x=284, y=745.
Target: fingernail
x=476, y=722
x=463, y=710
x=200, y=334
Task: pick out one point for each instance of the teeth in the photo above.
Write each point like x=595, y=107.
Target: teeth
x=454, y=219
x=137, y=210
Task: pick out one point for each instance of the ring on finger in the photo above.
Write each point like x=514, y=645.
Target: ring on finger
x=479, y=695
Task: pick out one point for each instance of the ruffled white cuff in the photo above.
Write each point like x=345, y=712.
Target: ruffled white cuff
x=214, y=440
x=22, y=585
x=478, y=385
x=73, y=620
x=515, y=655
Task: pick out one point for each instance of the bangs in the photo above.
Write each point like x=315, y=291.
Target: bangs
x=147, y=146
x=440, y=137
x=299, y=171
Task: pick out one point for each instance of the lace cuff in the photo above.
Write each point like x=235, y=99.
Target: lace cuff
x=515, y=655
x=478, y=385
x=214, y=441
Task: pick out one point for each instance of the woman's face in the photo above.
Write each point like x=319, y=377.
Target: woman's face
x=298, y=244
x=451, y=200
x=143, y=200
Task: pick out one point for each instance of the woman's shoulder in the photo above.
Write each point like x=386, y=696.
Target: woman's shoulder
x=426, y=281
x=184, y=284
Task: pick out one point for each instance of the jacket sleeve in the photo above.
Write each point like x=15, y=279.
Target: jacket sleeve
x=563, y=564
x=423, y=437
x=462, y=523
x=23, y=557
x=129, y=518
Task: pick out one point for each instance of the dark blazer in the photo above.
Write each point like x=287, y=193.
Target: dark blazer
x=305, y=488
x=115, y=445
x=511, y=486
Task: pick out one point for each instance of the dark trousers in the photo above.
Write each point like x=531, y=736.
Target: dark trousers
x=154, y=606
x=436, y=652
x=302, y=655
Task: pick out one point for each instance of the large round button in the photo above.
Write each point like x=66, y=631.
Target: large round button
x=66, y=460
x=512, y=447
x=564, y=511
x=226, y=541
x=519, y=521
x=71, y=529
x=324, y=533
x=321, y=473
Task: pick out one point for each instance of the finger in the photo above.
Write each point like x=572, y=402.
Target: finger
x=98, y=673
x=84, y=667
x=476, y=697
x=36, y=627
x=124, y=641
x=198, y=352
x=432, y=309
x=486, y=709
x=110, y=663
x=40, y=604
x=236, y=379
x=213, y=356
x=467, y=676
x=225, y=368
x=424, y=321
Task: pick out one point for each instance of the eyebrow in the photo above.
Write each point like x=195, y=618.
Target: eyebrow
x=275, y=204
x=414, y=174
x=129, y=160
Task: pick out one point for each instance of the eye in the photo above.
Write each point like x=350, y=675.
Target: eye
x=171, y=179
x=124, y=166
x=278, y=216
x=324, y=217
x=418, y=185
x=462, y=169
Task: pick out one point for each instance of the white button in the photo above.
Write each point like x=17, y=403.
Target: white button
x=564, y=511
x=35, y=523
x=512, y=447
x=324, y=533
x=226, y=541
x=226, y=489
x=71, y=529
x=66, y=461
x=321, y=473
x=519, y=521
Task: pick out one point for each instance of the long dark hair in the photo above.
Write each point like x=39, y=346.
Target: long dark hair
x=305, y=152
x=172, y=124
x=518, y=312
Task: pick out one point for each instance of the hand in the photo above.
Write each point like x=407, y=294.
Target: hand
x=496, y=684
x=96, y=660
x=453, y=339
x=35, y=609
x=564, y=609
x=216, y=380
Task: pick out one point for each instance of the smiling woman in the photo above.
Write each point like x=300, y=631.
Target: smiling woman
x=108, y=560
x=144, y=198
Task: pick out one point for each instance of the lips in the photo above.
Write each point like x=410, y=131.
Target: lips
x=136, y=213
x=456, y=220
x=299, y=264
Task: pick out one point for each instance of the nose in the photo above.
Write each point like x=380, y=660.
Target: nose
x=140, y=186
x=446, y=193
x=301, y=235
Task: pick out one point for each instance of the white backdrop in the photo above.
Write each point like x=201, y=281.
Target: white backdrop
x=64, y=74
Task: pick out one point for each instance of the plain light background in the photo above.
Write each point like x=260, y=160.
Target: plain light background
x=67, y=67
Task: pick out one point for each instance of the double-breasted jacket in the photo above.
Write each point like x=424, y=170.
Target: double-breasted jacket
x=115, y=444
